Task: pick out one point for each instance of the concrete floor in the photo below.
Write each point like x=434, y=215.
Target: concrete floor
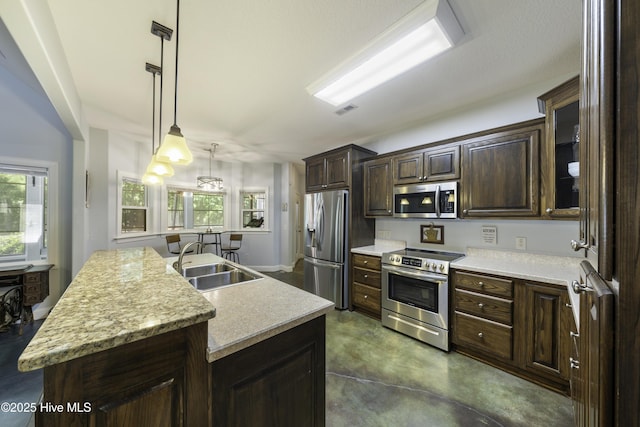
x=376, y=377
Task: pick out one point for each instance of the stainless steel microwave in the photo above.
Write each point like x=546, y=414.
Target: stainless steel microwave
x=435, y=200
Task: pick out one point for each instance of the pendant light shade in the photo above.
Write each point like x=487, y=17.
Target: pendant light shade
x=174, y=148
x=152, y=179
x=160, y=168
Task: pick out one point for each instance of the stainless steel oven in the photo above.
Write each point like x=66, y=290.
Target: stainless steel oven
x=415, y=294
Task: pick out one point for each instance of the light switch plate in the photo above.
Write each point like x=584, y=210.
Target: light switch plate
x=521, y=243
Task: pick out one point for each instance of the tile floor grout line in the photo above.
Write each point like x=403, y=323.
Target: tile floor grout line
x=403, y=387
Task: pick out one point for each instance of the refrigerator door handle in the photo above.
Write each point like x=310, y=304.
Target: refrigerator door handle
x=318, y=262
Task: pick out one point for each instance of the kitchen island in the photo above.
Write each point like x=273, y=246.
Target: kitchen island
x=131, y=342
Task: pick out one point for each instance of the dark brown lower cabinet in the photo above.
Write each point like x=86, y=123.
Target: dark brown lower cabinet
x=158, y=381
x=517, y=325
x=278, y=382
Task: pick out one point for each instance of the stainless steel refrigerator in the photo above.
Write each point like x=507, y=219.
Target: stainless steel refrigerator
x=325, y=245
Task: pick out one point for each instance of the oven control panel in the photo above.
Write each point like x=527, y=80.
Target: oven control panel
x=418, y=263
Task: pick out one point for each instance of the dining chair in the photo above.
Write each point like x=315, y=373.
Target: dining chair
x=173, y=244
x=230, y=248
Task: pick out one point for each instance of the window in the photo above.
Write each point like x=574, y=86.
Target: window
x=253, y=208
x=133, y=206
x=23, y=213
x=189, y=209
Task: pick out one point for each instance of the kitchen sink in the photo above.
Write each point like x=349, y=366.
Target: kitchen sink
x=225, y=278
x=205, y=270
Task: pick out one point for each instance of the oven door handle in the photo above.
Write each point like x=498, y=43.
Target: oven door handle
x=408, y=272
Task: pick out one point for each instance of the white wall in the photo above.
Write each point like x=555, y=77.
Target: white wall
x=542, y=236
x=32, y=130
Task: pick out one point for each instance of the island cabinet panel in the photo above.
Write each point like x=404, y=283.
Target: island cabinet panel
x=378, y=188
x=159, y=381
x=276, y=382
x=500, y=174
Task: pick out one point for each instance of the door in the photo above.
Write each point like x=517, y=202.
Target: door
x=325, y=279
x=325, y=216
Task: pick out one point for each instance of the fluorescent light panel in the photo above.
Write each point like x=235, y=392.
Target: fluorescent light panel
x=426, y=31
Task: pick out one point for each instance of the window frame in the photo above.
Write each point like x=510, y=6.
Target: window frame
x=49, y=194
x=189, y=208
x=122, y=177
x=242, y=210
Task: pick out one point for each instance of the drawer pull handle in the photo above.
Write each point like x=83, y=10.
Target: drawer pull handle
x=480, y=305
x=481, y=284
x=366, y=276
x=366, y=296
x=574, y=334
x=365, y=261
x=480, y=335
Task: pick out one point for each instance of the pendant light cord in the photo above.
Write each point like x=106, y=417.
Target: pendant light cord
x=175, y=93
x=153, y=117
x=161, y=75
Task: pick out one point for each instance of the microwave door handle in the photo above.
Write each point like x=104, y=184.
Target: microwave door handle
x=437, y=201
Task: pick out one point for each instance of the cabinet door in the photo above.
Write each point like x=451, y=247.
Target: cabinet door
x=315, y=174
x=378, y=188
x=337, y=171
x=560, y=152
x=442, y=164
x=546, y=330
x=500, y=175
x=408, y=168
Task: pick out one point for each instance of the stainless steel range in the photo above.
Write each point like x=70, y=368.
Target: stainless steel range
x=415, y=294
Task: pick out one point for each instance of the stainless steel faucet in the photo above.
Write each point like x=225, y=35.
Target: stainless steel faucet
x=178, y=265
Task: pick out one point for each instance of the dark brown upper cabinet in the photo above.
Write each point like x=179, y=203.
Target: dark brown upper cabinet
x=500, y=172
x=560, y=152
x=333, y=170
x=436, y=164
x=378, y=188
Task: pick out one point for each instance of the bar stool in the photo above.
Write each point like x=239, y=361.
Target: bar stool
x=229, y=250
x=173, y=244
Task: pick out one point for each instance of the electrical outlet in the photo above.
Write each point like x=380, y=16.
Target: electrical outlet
x=521, y=243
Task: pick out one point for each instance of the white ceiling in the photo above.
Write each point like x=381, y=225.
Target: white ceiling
x=244, y=66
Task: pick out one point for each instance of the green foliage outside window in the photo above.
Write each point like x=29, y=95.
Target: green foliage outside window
x=13, y=195
x=208, y=210
x=134, y=204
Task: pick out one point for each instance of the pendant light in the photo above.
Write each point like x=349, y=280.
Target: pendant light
x=150, y=177
x=210, y=183
x=157, y=167
x=174, y=148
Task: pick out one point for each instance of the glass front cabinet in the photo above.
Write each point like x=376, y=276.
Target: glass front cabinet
x=560, y=166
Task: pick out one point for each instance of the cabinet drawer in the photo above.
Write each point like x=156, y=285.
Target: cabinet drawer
x=367, y=277
x=31, y=278
x=366, y=297
x=484, y=284
x=484, y=306
x=31, y=289
x=366, y=261
x=30, y=299
x=485, y=335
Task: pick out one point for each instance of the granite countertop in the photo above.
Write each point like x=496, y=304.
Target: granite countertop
x=557, y=270
x=379, y=247
x=119, y=296
x=253, y=311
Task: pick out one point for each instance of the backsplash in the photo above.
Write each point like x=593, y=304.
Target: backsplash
x=541, y=237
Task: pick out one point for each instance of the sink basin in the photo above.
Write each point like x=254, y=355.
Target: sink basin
x=204, y=270
x=217, y=280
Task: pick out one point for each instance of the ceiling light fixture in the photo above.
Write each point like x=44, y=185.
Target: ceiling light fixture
x=174, y=148
x=428, y=30
x=210, y=183
x=157, y=167
x=150, y=177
